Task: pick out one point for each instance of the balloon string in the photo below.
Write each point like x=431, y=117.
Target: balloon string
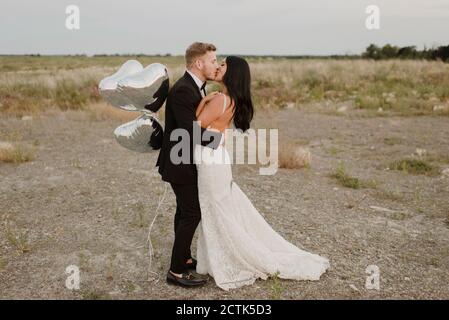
x=150, y=245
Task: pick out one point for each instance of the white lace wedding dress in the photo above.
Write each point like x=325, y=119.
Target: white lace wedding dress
x=235, y=244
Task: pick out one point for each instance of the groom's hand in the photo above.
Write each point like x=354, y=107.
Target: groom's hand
x=209, y=138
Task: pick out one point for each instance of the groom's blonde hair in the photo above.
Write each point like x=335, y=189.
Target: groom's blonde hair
x=197, y=49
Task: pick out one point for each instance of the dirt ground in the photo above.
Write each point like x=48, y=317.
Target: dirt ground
x=86, y=201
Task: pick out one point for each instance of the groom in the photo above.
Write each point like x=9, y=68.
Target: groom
x=182, y=101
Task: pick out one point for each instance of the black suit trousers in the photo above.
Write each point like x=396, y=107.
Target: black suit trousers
x=187, y=218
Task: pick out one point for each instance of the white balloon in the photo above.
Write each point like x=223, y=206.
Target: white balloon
x=130, y=67
x=143, y=134
x=108, y=86
x=147, y=89
x=136, y=88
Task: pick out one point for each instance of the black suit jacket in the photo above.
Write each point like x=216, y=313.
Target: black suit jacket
x=182, y=102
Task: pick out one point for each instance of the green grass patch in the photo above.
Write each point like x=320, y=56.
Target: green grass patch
x=412, y=166
x=18, y=239
x=351, y=182
x=275, y=285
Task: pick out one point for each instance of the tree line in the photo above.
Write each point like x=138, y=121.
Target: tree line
x=373, y=51
x=389, y=51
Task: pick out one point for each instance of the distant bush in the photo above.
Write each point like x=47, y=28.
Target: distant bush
x=389, y=51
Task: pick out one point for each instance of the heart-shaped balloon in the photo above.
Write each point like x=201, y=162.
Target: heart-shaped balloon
x=135, y=88
x=108, y=86
x=143, y=134
x=147, y=89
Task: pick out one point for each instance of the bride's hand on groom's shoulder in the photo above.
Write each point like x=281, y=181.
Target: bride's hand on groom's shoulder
x=210, y=96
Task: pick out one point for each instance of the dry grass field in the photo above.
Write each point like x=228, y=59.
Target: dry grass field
x=363, y=180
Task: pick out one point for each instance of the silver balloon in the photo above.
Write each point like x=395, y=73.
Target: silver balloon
x=147, y=89
x=135, y=88
x=108, y=86
x=143, y=134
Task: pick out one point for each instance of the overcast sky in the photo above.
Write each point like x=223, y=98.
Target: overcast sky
x=234, y=26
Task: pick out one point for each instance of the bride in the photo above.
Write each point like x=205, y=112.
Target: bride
x=236, y=245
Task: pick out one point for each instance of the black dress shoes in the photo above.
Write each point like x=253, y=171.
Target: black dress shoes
x=188, y=279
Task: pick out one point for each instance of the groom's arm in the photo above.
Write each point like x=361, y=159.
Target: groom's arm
x=185, y=118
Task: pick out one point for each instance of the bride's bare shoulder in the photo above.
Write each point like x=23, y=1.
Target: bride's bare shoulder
x=218, y=97
x=213, y=109
x=217, y=100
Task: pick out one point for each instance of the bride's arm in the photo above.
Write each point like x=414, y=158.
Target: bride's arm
x=213, y=111
x=204, y=101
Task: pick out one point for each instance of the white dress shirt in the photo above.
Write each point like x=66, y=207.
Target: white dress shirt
x=198, y=82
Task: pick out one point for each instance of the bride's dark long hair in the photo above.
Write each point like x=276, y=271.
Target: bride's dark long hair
x=237, y=80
